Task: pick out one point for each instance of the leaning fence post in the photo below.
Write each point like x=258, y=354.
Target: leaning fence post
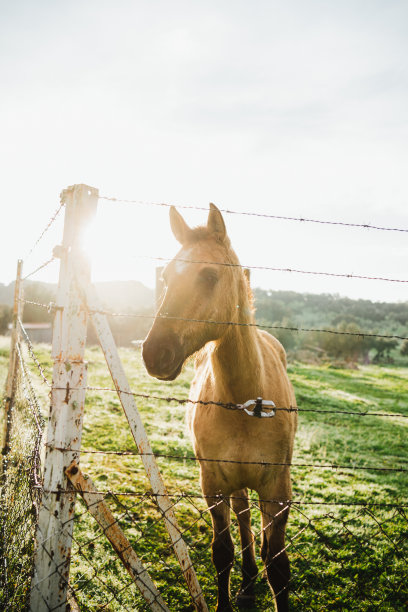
x=55, y=525
x=13, y=365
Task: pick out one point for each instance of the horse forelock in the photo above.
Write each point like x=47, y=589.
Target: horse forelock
x=202, y=233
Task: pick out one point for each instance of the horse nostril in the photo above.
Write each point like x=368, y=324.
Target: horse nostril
x=166, y=357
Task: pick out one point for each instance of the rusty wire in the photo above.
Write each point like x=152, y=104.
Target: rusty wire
x=255, y=214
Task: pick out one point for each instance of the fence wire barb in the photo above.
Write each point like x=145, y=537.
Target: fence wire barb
x=255, y=214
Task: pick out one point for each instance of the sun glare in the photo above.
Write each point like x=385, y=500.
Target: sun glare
x=131, y=250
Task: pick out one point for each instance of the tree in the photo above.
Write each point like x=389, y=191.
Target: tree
x=404, y=348
x=5, y=318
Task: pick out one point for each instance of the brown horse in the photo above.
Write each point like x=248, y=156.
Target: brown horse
x=234, y=363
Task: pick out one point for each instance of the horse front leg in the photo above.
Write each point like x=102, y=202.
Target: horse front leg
x=274, y=519
x=240, y=505
x=222, y=550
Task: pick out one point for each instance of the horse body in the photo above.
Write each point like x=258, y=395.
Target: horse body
x=234, y=363
x=227, y=376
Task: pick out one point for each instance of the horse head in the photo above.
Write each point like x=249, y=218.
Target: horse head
x=198, y=291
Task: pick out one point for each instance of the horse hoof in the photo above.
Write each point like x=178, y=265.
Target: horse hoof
x=245, y=600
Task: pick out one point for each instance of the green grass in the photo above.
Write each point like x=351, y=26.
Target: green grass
x=343, y=557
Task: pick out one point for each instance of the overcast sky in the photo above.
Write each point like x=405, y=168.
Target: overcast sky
x=291, y=107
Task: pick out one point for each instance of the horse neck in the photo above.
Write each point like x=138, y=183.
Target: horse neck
x=236, y=358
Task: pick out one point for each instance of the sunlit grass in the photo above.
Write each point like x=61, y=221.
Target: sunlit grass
x=343, y=557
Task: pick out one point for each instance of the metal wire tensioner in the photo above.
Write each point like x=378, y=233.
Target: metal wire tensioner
x=258, y=404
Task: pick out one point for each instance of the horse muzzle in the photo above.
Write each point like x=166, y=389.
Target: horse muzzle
x=163, y=356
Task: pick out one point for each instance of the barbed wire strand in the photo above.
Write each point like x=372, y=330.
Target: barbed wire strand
x=256, y=214
x=232, y=406
x=274, y=269
x=182, y=401
x=361, y=334
x=214, y=496
x=44, y=265
x=47, y=227
x=332, y=466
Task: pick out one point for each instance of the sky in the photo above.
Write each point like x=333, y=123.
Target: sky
x=288, y=108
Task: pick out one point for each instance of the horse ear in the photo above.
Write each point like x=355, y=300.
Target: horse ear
x=179, y=227
x=215, y=223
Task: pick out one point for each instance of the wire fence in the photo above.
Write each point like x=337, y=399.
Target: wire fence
x=347, y=540
x=348, y=535
x=20, y=491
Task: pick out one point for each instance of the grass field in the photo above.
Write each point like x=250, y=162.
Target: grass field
x=347, y=550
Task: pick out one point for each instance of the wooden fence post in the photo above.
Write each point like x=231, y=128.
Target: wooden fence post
x=55, y=526
x=13, y=365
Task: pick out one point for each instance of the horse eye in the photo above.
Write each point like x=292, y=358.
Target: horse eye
x=209, y=277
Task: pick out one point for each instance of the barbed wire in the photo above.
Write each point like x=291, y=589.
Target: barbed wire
x=232, y=406
x=220, y=496
x=361, y=334
x=332, y=466
x=256, y=214
x=274, y=269
x=47, y=227
x=44, y=265
x=183, y=401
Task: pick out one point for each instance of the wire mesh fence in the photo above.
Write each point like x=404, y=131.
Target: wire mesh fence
x=20, y=491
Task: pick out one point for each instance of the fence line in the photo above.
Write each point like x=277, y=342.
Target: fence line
x=82, y=583
x=255, y=214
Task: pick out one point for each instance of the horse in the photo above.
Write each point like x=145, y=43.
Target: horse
x=207, y=311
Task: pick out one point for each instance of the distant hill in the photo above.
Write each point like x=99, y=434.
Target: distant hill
x=318, y=310
x=275, y=308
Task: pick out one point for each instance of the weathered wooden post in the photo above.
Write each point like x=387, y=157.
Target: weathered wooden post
x=54, y=531
x=13, y=365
